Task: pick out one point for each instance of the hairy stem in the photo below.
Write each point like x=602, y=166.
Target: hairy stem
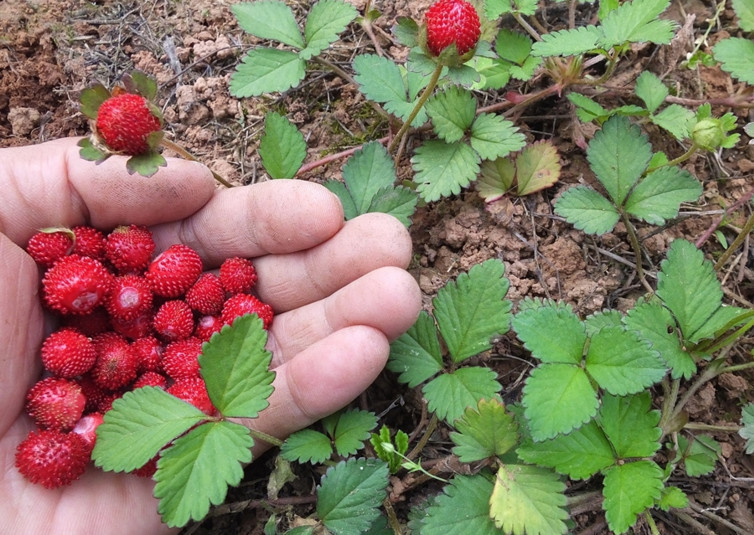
x=419, y=105
x=747, y=228
x=259, y=435
x=636, y=246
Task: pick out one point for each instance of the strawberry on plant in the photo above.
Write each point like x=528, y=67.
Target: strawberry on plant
x=174, y=320
x=55, y=403
x=452, y=21
x=76, y=285
x=116, y=364
x=174, y=271
x=129, y=297
x=206, y=296
x=68, y=353
x=237, y=275
x=49, y=245
x=52, y=458
x=241, y=304
x=127, y=123
x=129, y=248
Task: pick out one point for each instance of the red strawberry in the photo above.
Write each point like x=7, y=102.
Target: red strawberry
x=89, y=242
x=150, y=379
x=49, y=245
x=452, y=21
x=116, y=363
x=181, y=358
x=148, y=469
x=94, y=394
x=135, y=328
x=68, y=353
x=237, y=275
x=149, y=350
x=55, y=403
x=129, y=297
x=125, y=121
x=174, y=320
x=76, y=284
x=241, y=304
x=130, y=248
x=97, y=321
x=174, y=271
x=193, y=390
x=86, y=427
x=206, y=296
x=206, y=326
x=106, y=403
x=52, y=458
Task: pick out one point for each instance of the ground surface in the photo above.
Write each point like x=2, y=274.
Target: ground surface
x=51, y=50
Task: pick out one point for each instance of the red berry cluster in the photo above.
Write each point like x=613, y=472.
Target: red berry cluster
x=127, y=320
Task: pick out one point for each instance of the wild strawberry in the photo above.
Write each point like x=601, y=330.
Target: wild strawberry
x=125, y=121
x=116, y=363
x=97, y=321
x=237, y=275
x=76, y=284
x=174, y=271
x=52, y=458
x=174, y=320
x=452, y=21
x=150, y=379
x=148, y=469
x=55, y=403
x=206, y=296
x=135, y=328
x=93, y=393
x=106, y=403
x=241, y=304
x=149, y=351
x=129, y=297
x=86, y=427
x=89, y=242
x=49, y=245
x=193, y=390
x=129, y=248
x=68, y=353
x=181, y=358
x=206, y=326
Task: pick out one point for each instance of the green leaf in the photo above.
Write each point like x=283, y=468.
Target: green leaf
x=565, y=337
x=197, y=469
x=537, y=167
x=658, y=197
x=588, y=109
x=558, y=398
x=494, y=137
x=146, y=164
x=745, y=11
x=571, y=42
x=235, y=367
x=528, y=499
x=623, y=363
x=630, y=489
x=452, y=111
x=282, y=147
x=494, y=73
x=672, y=497
x=142, y=84
x=496, y=178
x=92, y=98
x=688, y=286
x=326, y=20
x=604, y=318
x=139, y=425
x=747, y=427
x=307, y=446
x=269, y=19
x=406, y=32
x=677, y=120
x=513, y=46
x=472, y=310
x=484, y=431
x=350, y=495
x=631, y=425
x=416, y=355
x=266, y=70
x=367, y=172
x=450, y=394
x=618, y=155
x=736, y=54
x=442, y=169
x=651, y=90
x=700, y=458
x=587, y=210
x=637, y=21
x=467, y=494
x=352, y=429
x=400, y=202
x=89, y=152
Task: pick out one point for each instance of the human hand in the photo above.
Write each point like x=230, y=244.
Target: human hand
x=339, y=292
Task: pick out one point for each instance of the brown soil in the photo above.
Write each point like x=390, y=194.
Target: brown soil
x=52, y=49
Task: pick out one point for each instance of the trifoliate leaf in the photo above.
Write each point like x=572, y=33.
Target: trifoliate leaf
x=579, y=454
x=675, y=119
x=266, y=70
x=235, y=367
x=736, y=54
x=688, y=286
x=450, y=394
x=528, y=499
x=651, y=90
x=350, y=495
x=537, y=167
x=326, y=20
x=747, y=427
x=618, y=154
x=416, y=355
x=623, y=363
x=352, y=429
x=567, y=42
x=139, y=425
x=587, y=210
x=558, y=399
x=388, y=451
x=659, y=195
x=472, y=310
x=527, y=69
x=637, y=21
x=496, y=178
x=484, y=431
x=494, y=137
x=630, y=489
x=551, y=333
x=282, y=147
x=631, y=425
x=269, y=19
x=700, y=458
x=365, y=173
x=452, y=111
x=197, y=469
x=745, y=11
x=463, y=508
x=654, y=323
x=307, y=446
x=672, y=497
x=442, y=169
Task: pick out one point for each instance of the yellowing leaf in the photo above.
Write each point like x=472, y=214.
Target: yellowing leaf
x=537, y=167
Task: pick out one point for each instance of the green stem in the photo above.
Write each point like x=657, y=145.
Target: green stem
x=188, y=156
x=526, y=26
x=670, y=398
x=424, y=439
x=713, y=370
x=708, y=427
x=748, y=226
x=651, y=523
x=737, y=368
x=682, y=158
x=636, y=246
x=259, y=435
x=419, y=104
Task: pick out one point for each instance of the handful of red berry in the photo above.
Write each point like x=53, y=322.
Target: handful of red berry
x=127, y=320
